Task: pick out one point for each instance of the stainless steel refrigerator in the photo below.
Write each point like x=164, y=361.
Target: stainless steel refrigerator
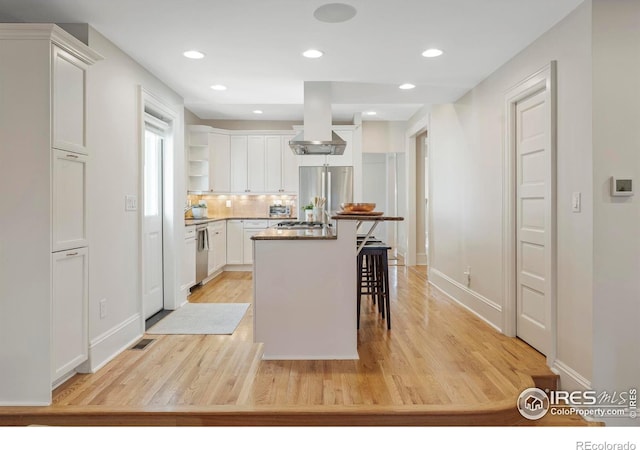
x=334, y=183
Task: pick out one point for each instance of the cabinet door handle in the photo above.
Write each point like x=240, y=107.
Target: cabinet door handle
x=72, y=254
x=72, y=156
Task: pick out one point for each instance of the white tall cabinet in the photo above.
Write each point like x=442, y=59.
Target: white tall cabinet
x=44, y=251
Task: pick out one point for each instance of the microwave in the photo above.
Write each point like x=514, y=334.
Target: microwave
x=279, y=211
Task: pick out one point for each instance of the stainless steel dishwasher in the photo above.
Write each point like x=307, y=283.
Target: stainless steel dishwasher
x=202, y=252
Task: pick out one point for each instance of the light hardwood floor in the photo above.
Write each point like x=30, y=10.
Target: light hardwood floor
x=438, y=365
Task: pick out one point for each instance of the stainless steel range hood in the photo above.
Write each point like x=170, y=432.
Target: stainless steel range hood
x=317, y=137
x=335, y=146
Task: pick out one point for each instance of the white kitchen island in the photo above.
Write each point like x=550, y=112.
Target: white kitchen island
x=305, y=293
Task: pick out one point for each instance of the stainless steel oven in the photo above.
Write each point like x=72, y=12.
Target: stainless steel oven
x=202, y=252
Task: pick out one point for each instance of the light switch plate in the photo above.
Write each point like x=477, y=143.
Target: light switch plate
x=576, y=202
x=130, y=203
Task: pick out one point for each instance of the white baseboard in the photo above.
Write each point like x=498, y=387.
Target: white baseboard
x=238, y=268
x=108, y=345
x=485, y=309
x=421, y=259
x=212, y=277
x=570, y=380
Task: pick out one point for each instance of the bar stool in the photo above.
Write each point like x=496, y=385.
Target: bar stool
x=373, y=278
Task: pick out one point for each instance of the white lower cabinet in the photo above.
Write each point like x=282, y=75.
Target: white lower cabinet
x=69, y=311
x=239, y=244
x=217, y=246
x=189, y=258
x=234, y=242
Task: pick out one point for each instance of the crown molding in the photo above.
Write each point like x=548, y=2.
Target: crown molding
x=50, y=32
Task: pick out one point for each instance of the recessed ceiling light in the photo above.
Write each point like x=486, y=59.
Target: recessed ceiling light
x=312, y=53
x=334, y=13
x=407, y=86
x=370, y=113
x=193, y=54
x=257, y=111
x=432, y=53
x=219, y=87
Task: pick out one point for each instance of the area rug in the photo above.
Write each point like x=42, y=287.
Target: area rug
x=202, y=318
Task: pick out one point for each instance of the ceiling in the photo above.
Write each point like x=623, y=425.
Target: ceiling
x=254, y=48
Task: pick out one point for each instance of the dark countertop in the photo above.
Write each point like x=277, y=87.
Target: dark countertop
x=275, y=234
x=192, y=221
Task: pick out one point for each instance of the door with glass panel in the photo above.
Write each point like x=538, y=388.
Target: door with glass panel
x=153, y=299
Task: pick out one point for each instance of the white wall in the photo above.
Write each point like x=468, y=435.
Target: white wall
x=114, y=171
x=616, y=227
x=383, y=136
x=466, y=159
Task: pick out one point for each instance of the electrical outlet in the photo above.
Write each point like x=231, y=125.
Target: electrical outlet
x=103, y=308
x=228, y=203
x=130, y=203
x=468, y=274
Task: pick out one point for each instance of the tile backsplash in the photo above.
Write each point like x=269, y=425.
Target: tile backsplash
x=242, y=205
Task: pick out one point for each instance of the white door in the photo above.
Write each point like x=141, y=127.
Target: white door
x=152, y=246
x=533, y=222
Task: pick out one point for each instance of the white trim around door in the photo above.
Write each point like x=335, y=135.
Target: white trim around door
x=165, y=117
x=542, y=81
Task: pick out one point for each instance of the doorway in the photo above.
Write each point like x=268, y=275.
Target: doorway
x=530, y=212
x=152, y=259
x=422, y=192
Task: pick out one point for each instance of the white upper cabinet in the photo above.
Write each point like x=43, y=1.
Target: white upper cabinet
x=273, y=155
x=256, y=164
x=238, y=164
x=281, y=165
x=69, y=103
x=220, y=162
x=69, y=219
x=248, y=163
